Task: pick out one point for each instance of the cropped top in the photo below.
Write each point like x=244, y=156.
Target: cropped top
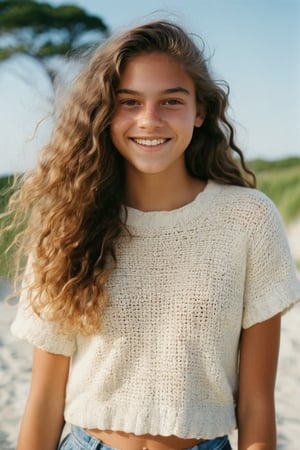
x=165, y=360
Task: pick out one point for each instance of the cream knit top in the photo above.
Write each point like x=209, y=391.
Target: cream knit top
x=165, y=359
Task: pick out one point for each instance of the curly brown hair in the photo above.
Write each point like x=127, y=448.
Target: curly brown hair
x=74, y=196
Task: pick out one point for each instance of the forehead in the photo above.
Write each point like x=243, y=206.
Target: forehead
x=154, y=70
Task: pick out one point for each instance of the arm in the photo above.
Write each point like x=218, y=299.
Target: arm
x=258, y=365
x=43, y=419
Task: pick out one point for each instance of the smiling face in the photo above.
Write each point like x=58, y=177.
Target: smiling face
x=155, y=115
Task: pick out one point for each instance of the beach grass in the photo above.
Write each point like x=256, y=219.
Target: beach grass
x=7, y=237
x=280, y=180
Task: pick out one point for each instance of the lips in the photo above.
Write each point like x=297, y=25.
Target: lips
x=150, y=142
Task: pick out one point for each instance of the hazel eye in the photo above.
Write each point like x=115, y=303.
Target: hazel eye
x=129, y=102
x=172, y=101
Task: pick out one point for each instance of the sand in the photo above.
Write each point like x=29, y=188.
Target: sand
x=15, y=372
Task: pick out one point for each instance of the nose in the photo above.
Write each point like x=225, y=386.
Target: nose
x=150, y=117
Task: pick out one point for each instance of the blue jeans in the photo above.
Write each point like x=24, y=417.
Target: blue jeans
x=78, y=439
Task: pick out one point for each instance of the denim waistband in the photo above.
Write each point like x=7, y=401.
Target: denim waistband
x=84, y=441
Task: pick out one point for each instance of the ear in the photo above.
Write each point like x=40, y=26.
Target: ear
x=199, y=119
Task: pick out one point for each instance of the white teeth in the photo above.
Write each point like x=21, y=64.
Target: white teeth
x=150, y=142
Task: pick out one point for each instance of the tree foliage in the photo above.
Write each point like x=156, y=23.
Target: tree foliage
x=42, y=30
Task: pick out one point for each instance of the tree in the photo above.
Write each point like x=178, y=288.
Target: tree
x=39, y=44
x=42, y=30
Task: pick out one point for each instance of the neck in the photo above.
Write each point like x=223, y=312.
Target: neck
x=158, y=193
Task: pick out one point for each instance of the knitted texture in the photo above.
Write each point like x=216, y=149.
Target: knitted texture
x=165, y=360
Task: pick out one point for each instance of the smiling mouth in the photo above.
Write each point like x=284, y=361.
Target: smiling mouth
x=150, y=142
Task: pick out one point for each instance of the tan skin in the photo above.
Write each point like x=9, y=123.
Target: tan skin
x=43, y=421
x=155, y=117
x=258, y=365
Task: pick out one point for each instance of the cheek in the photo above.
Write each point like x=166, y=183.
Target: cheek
x=119, y=123
x=185, y=125
x=118, y=132
x=115, y=126
x=114, y=136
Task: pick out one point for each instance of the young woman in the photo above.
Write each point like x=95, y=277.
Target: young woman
x=157, y=274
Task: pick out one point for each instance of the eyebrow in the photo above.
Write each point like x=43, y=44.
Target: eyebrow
x=175, y=90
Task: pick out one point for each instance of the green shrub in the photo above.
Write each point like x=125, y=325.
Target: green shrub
x=280, y=180
x=260, y=165
x=6, y=238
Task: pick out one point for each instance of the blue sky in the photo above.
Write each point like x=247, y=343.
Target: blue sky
x=255, y=46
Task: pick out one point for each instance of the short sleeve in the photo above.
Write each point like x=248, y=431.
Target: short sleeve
x=41, y=333
x=271, y=283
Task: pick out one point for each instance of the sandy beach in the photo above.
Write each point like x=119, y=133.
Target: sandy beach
x=15, y=372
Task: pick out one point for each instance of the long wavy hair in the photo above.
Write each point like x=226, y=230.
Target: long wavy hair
x=72, y=200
